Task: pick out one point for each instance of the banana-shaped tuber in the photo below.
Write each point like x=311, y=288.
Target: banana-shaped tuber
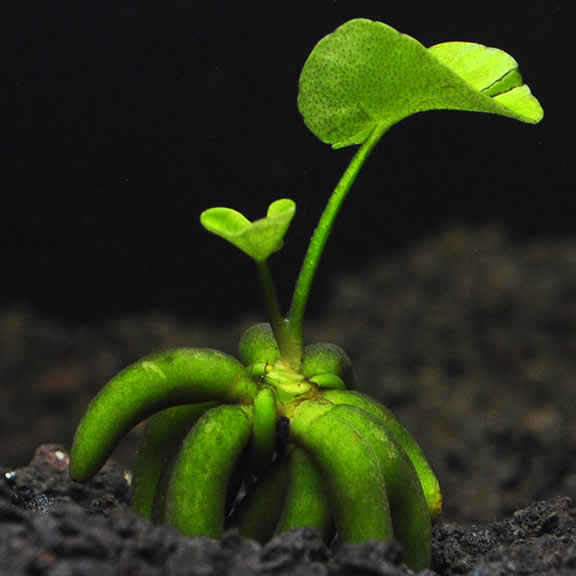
x=350, y=470
x=160, y=442
x=408, y=507
x=263, y=429
x=323, y=358
x=199, y=479
x=158, y=381
x=256, y=515
x=386, y=418
x=306, y=503
x=258, y=345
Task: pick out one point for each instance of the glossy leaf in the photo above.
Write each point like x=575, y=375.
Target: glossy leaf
x=367, y=75
x=258, y=239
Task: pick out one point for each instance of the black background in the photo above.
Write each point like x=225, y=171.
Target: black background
x=122, y=121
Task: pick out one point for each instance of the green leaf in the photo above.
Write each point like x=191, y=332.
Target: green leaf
x=367, y=75
x=258, y=239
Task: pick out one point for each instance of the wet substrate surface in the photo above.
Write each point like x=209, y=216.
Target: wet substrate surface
x=469, y=337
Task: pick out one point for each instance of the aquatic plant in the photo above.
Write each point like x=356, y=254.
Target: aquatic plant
x=277, y=438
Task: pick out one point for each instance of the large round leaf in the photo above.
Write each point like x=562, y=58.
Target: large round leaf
x=367, y=75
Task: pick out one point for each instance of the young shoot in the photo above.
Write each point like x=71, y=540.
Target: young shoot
x=356, y=84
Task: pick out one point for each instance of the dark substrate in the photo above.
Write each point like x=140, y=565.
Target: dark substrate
x=469, y=337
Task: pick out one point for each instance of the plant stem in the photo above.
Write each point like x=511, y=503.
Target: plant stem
x=318, y=242
x=288, y=346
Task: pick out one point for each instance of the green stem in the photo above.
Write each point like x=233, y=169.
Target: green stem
x=288, y=346
x=318, y=242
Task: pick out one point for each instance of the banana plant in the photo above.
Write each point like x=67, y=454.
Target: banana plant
x=278, y=438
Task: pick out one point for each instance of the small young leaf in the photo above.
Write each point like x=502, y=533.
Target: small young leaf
x=367, y=75
x=258, y=239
